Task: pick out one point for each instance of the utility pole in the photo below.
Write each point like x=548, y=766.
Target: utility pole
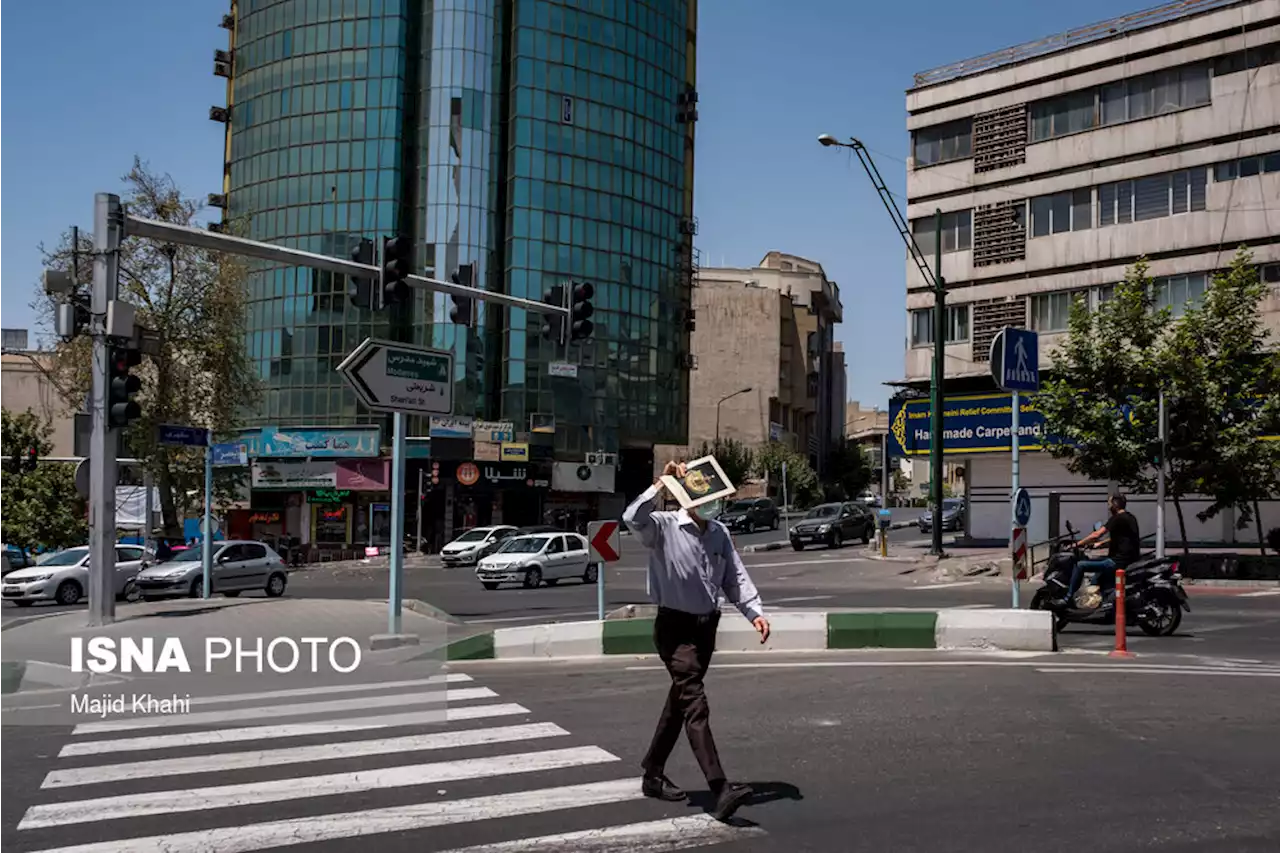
x=936, y=448
x=108, y=228
x=1160, y=482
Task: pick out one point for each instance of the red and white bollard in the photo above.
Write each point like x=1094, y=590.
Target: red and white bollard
x=1122, y=648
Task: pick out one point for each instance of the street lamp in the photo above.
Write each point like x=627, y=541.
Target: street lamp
x=934, y=278
x=746, y=390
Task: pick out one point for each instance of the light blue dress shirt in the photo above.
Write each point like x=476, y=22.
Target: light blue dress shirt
x=689, y=568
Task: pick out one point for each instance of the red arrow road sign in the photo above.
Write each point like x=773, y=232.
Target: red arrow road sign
x=603, y=536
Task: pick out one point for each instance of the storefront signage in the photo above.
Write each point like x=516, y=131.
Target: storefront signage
x=487, y=451
x=775, y=431
x=265, y=518
x=294, y=475
x=468, y=474
x=450, y=427
x=515, y=452
x=580, y=477
x=502, y=475
x=372, y=475
x=329, y=496
x=316, y=442
x=497, y=431
x=971, y=424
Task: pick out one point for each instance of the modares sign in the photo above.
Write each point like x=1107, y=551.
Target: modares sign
x=971, y=423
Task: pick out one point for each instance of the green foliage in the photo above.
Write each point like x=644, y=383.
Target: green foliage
x=802, y=482
x=735, y=458
x=195, y=301
x=1220, y=369
x=1108, y=365
x=849, y=471
x=41, y=507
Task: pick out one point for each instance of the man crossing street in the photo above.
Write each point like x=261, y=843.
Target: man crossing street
x=692, y=561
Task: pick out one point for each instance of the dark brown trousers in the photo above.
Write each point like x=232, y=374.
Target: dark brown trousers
x=685, y=643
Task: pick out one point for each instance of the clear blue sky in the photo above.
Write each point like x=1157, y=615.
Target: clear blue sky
x=772, y=76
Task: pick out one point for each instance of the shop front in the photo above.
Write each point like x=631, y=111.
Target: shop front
x=481, y=493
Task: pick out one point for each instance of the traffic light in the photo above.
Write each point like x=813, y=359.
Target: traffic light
x=360, y=288
x=580, y=311
x=121, y=386
x=395, y=269
x=553, y=324
x=463, y=311
x=30, y=459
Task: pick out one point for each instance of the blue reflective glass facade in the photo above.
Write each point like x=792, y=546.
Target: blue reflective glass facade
x=545, y=141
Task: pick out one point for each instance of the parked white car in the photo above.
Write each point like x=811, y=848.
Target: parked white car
x=64, y=577
x=530, y=560
x=474, y=544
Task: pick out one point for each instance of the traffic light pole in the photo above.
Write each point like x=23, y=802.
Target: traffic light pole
x=108, y=222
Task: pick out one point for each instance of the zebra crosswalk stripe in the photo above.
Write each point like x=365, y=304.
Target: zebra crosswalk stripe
x=654, y=836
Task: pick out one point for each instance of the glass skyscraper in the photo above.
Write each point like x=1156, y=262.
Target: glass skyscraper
x=545, y=141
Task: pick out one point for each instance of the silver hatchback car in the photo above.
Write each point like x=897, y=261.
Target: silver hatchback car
x=238, y=565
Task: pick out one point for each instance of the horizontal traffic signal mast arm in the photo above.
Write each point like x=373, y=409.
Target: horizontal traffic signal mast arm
x=184, y=235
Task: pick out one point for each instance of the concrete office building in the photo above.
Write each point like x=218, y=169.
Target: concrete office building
x=1056, y=165
x=542, y=141
x=767, y=366
x=28, y=386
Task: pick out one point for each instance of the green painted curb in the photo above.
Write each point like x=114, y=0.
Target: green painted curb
x=11, y=674
x=478, y=647
x=907, y=630
x=627, y=637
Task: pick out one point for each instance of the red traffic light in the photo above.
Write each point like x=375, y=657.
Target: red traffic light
x=583, y=291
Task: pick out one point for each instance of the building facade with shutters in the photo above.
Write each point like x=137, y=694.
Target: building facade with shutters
x=1059, y=163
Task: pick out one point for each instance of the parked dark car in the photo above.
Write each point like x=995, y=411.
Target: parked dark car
x=750, y=515
x=833, y=525
x=952, y=516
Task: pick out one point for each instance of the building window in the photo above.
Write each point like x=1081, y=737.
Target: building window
x=957, y=232
x=1066, y=211
x=1152, y=197
x=1247, y=167
x=943, y=143
x=1178, y=292
x=1125, y=100
x=1246, y=60
x=957, y=325
x=1269, y=273
x=1050, y=312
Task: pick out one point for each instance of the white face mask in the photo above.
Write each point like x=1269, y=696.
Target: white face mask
x=710, y=510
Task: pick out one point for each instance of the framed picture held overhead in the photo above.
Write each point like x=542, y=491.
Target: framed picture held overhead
x=704, y=481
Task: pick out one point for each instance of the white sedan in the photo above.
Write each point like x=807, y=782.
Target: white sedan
x=64, y=577
x=537, y=557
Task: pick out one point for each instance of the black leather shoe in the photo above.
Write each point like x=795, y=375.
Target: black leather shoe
x=729, y=799
x=661, y=788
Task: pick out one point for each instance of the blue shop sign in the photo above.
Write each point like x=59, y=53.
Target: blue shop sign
x=316, y=442
x=971, y=424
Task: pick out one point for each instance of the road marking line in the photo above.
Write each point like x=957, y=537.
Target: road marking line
x=307, y=830
x=1074, y=667
x=361, y=703
x=542, y=618
x=221, y=762
x=971, y=607
x=655, y=836
x=802, y=598
x=451, y=678
x=123, y=806
x=1266, y=593
x=1139, y=670
x=251, y=733
x=945, y=585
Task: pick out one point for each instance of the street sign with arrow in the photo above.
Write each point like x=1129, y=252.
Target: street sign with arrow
x=395, y=377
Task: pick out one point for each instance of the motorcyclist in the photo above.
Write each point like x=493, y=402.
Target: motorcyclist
x=1122, y=547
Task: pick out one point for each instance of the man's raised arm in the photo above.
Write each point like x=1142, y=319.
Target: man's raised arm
x=639, y=516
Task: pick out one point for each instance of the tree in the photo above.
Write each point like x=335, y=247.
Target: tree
x=41, y=507
x=195, y=301
x=849, y=470
x=1218, y=363
x=735, y=458
x=802, y=483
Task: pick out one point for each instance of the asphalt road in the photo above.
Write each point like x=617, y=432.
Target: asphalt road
x=908, y=752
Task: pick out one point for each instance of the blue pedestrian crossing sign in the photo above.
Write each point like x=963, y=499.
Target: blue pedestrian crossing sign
x=1015, y=359
x=1022, y=508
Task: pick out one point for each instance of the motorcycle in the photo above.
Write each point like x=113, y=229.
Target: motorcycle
x=1154, y=597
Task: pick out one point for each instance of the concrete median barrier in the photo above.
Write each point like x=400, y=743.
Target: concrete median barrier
x=795, y=631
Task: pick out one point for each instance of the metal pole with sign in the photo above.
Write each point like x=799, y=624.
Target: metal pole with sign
x=1015, y=367
x=1160, y=523
x=206, y=542
x=786, y=517
x=401, y=379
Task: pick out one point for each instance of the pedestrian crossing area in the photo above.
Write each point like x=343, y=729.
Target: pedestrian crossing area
x=438, y=764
